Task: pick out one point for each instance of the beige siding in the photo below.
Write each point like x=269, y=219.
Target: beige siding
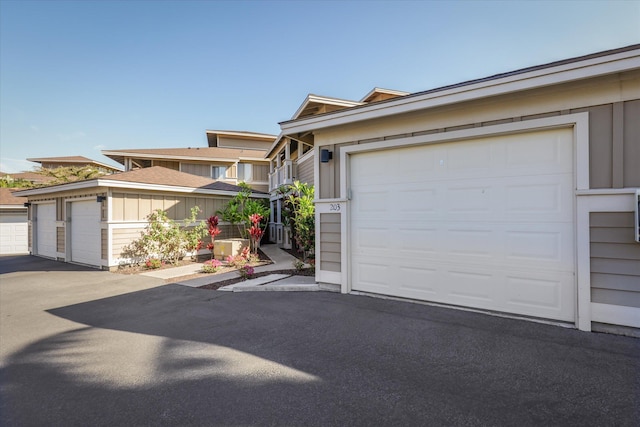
x=615, y=259
x=166, y=164
x=260, y=172
x=245, y=143
x=104, y=244
x=121, y=237
x=138, y=206
x=330, y=242
x=60, y=239
x=200, y=169
x=305, y=171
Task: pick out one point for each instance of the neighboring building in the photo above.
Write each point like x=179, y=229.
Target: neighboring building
x=91, y=222
x=513, y=193
x=231, y=157
x=13, y=223
x=77, y=161
x=291, y=156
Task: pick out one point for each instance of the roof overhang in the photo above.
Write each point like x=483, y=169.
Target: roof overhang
x=323, y=100
x=590, y=66
x=376, y=90
x=107, y=183
x=168, y=157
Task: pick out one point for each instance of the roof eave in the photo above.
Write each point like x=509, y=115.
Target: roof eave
x=477, y=89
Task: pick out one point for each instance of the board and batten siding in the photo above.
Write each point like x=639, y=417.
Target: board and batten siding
x=305, y=170
x=330, y=239
x=200, y=169
x=137, y=206
x=615, y=259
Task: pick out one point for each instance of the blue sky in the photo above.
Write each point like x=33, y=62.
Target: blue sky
x=78, y=77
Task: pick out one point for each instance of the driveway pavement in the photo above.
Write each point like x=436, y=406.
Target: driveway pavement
x=84, y=347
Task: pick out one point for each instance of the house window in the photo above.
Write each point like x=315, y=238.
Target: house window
x=244, y=172
x=218, y=172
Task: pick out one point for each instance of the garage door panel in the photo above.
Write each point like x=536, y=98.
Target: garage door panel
x=46, y=239
x=86, y=234
x=13, y=235
x=489, y=226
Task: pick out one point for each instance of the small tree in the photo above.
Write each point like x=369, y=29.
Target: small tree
x=240, y=208
x=164, y=239
x=300, y=211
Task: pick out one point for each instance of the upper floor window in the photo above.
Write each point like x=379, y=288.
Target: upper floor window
x=245, y=172
x=218, y=172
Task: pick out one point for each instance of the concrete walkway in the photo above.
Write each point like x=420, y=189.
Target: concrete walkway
x=282, y=260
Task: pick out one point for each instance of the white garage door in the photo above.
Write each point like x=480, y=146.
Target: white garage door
x=13, y=233
x=486, y=223
x=46, y=230
x=85, y=232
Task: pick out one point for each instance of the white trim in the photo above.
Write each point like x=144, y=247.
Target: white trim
x=164, y=157
x=133, y=186
x=306, y=156
x=564, y=73
x=580, y=124
x=615, y=314
x=326, y=101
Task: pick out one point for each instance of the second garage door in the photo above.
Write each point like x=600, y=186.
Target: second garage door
x=45, y=238
x=86, y=233
x=486, y=223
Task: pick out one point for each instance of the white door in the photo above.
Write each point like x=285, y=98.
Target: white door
x=45, y=239
x=486, y=223
x=13, y=233
x=86, y=240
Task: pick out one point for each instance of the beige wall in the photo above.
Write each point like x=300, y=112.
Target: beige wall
x=615, y=259
x=166, y=164
x=244, y=143
x=137, y=206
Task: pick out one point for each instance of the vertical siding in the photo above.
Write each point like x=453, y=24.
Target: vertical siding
x=615, y=259
x=199, y=169
x=60, y=239
x=305, y=171
x=137, y=207
x=166, y=164
x=600, y=145
x=330, y=242
x=631, y=147
x=260, y=172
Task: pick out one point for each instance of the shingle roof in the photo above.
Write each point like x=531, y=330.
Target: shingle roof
x=7, y=198
x=30, y=176
x=72, y=160
x=205, y=153
x=159, y=175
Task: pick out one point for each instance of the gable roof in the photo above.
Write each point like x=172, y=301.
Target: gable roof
x=382, y=94
x=153, y=178
x=7, y=199
x=210, y=154
x=558, y=72
x=73, y=160
x=212, y=136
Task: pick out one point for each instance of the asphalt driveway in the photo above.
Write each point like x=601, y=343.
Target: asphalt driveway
x=84, y=347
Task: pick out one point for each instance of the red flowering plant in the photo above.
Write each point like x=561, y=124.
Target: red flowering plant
x=256, y=231
x=214, y=230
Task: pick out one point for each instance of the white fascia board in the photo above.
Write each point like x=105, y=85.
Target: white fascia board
x=133, y=186
x=275, y=144
x=254, y=159
x=589, y=68
x=172, y=157
x=324, y=100
x=254, y=135
x=14, y=207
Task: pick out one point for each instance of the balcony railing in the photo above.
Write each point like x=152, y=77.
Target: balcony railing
x=283, y=175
